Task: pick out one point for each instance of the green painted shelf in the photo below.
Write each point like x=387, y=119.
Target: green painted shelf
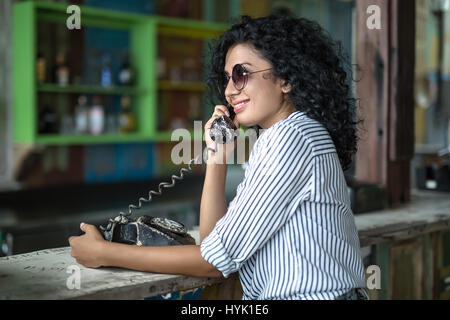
x=87, y=89
x=181, y=86
x=143, y=30
x=56, y=139
x=49, y=139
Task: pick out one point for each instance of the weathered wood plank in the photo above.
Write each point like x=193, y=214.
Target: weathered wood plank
x=407, y=270
x=372, y=47
x=386, y=91
x=43, y=275
x=427, y=212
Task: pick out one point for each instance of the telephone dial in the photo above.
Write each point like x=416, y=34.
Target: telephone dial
x=155, y=231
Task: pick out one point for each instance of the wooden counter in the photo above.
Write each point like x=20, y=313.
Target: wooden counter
x=428, y=211
x=43, y=274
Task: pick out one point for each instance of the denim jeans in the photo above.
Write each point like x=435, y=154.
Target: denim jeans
x=355, y=294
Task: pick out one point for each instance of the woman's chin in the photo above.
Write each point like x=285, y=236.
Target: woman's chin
x=245, y=121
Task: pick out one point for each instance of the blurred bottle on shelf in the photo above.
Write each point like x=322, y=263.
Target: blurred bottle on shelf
x=96, y=116
x=106, y=70
x=61, y=70
x=161, y=68
x=41, y=68
x=111, y=118
x=111, y=123
x=67, y=124
x=48, y=121
x=82, y=116
x=127, y=121
x=126, y=74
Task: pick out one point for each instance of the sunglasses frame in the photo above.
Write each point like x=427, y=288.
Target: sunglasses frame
x=245, y=75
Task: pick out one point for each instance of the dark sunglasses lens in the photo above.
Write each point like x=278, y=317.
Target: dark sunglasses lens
x=238, y=76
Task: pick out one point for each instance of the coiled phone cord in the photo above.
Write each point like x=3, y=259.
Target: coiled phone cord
x=122, y=217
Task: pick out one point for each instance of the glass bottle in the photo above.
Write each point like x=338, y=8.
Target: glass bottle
x=67, y=126
x=106, y=70
x=41, y=68
x=96, y=117
x=126, y=73
x=127, y=121
x=111, y=119
x=48, y=121
x=61, y=70
x=81, y=116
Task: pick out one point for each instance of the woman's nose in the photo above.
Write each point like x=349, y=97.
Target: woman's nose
x=230, y=90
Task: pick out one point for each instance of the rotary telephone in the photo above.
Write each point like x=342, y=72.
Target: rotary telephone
x=155, y=231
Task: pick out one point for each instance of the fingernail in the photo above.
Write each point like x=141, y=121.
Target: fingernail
x=81, y=225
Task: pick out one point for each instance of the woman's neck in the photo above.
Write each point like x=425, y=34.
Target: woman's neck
x=281, y=114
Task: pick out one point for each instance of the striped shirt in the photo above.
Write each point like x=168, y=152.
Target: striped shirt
x=289, y=230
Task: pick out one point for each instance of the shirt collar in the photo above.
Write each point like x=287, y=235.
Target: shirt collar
x=295, y=115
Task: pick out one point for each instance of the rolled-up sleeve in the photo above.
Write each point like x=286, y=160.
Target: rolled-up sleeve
x=276, y=180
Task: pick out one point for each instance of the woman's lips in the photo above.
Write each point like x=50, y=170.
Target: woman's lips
x=240, y=106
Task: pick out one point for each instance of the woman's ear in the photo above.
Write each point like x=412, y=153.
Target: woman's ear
x=285, y=87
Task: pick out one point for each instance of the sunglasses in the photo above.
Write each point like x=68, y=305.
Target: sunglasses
x=239, y=75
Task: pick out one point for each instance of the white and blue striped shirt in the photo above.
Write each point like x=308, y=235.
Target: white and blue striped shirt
x=290, y=231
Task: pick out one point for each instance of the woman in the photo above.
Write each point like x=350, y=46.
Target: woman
x=289, y=231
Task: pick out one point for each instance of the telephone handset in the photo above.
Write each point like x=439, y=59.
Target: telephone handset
x=223, y=128
x=154, y=231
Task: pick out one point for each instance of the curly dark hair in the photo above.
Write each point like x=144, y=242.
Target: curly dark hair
x=305, y=56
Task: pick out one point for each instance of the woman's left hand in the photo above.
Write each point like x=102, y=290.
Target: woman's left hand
x=87, y=248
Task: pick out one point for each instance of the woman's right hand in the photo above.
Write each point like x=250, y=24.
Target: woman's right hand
x=223, y=151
